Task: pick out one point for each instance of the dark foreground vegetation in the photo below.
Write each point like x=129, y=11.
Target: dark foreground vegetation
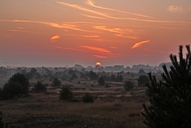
x=71, y=98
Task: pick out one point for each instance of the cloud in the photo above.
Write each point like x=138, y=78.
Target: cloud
x=90, y=2
x=174, y=8
x=95, y=17
x=83, y=9
x=24, y=31
x=54, y=38
x=117, y=18
x=100, y=57
x=97, y=49
x=124, y=36
x=138, y=44
x=114, y=30
x=67, y=25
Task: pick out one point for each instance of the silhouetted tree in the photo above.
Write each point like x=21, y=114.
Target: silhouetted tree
x=56, y=82
x=142, y=80
x=39, y=86
x=92, y=75
x=141, y=71
x=170, y=99
x=74, y=76
x=119, y=78
x=17, y=85
x=112, y=78
x=101, y=81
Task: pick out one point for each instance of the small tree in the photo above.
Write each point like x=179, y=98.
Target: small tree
x=56, y=82
x=170, y=99
x=128, y=85
x=17, y=85
x=141, y=71
x=1, y=120
x=65, y=94
x=92, y=75
x=143, y=80
x=39, y=86
x=101, y=81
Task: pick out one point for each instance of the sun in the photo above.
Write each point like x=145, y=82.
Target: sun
x=98, y=64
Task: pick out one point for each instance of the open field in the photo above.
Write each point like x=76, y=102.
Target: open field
x=113, y=107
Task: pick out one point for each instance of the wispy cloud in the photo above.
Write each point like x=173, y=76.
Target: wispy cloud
x=91, y=3
x=100, y=14
x=83, y=9
x=114, y=30
x=118, y=31
x=124, y=36
x=24, y=31
x=100, y=57
x=138, y=44
x=94, y=17
x=97, y=49
x=174, y=8
x=67, y=25
x=54, y=38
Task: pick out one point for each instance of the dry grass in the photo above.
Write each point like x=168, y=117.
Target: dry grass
x=46, y=110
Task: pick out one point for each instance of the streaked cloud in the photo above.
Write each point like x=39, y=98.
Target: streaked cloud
x=83, y=9
x=100, y=57
x=91, y=3
x=67, y=25
x=174, y=8
x=138, y=44
x=95, y=17
x=24, y=31
x=100, y=14
x=97, y=49
x=114, y=30
x=124, y=36
x=54, y=38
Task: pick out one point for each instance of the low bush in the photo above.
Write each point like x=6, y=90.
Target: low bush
x=88, y=98
x=39, y=86
x=65, y=94
x=128, y=85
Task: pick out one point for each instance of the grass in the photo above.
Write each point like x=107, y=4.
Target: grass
x=46, y=110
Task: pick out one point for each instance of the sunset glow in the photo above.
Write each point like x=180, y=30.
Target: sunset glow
x=68, y=32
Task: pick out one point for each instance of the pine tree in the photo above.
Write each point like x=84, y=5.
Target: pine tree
x=170, y=99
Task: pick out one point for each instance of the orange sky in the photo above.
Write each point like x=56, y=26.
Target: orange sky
x=68, y=32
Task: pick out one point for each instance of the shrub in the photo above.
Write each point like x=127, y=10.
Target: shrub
x=88, y=98
x=39, y=86
x=143, y=80
x=65, y=94
x=170, y=99
x=56, y=82
x=92, y=75
x=101, y=81
x=128, y=85
x=17, y=85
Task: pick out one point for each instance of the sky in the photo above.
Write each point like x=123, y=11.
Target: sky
x=58, y=33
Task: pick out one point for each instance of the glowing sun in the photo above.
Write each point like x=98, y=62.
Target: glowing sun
x=98, y=64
